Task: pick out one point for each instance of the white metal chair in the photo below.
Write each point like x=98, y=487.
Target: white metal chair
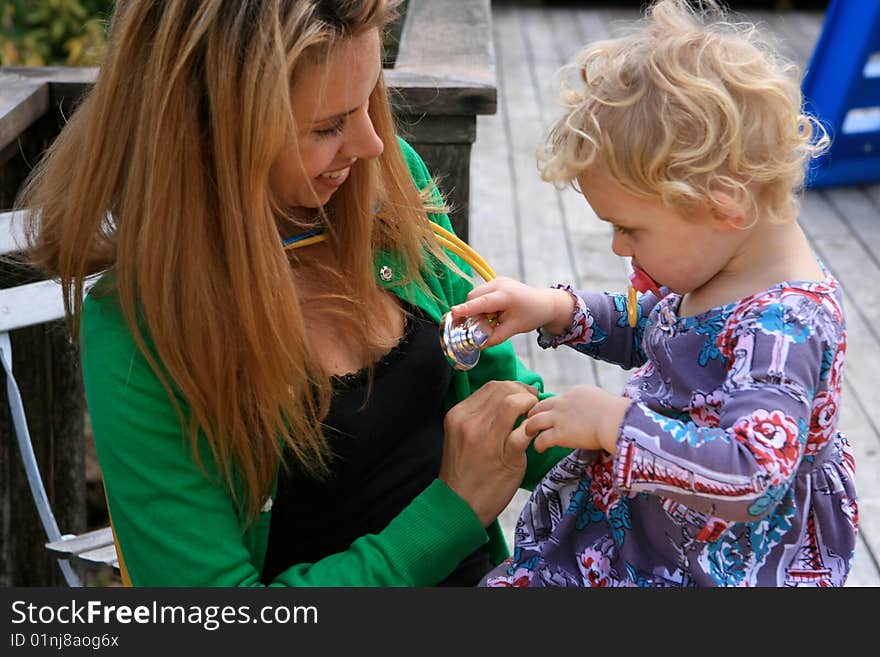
x=27, y=305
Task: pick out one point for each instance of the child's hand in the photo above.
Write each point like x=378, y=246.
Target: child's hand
x=520, y=308
x=584, y=417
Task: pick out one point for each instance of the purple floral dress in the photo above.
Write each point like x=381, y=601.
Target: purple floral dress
x=729, y=469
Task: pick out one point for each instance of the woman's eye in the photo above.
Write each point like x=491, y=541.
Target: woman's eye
x=331, y=130
x=622, y=230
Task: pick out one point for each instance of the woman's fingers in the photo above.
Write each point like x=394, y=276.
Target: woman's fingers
x=515, y=406
x=479, y=462
x=517, y=442
x=496, y=402
x=543, y=406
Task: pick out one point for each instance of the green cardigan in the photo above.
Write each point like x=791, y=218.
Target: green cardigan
x=176, y=525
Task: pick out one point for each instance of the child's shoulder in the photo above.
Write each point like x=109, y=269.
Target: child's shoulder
x=802, y=303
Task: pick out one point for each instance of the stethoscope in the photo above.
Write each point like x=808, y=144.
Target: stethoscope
x=461, y=339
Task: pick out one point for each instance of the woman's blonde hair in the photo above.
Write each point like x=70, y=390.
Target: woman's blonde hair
x=688, y=105
x=162, y=178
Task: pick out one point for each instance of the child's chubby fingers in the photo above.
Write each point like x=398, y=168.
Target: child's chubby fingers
x=491, y=302
x=481, y=300
x=483, y=288
x=535, y=423
x=549, y=438
x=542, y=406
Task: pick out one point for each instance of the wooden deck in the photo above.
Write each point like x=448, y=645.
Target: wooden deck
x=528, y=230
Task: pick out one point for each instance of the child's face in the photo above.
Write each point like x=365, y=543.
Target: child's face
x=330, y=102
x=678, y=249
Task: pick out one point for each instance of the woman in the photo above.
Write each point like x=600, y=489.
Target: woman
x=264, y=416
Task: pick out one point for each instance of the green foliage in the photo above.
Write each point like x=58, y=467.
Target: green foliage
x=53, y=32
x=74, y=32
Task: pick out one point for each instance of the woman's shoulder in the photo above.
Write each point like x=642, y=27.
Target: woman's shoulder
x=105, y=335
x=102, y=311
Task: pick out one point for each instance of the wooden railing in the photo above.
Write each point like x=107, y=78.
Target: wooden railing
x=442, y=78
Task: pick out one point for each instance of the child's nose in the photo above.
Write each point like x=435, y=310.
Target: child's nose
x=620, y=246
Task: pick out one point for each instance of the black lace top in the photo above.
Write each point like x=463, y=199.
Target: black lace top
x=387, y=449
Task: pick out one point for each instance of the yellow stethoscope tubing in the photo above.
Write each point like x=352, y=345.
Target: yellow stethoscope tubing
x=308, y=241
x=461, y=248
x=447, y=239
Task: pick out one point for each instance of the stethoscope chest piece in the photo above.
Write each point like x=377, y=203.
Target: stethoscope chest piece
x=463, y=338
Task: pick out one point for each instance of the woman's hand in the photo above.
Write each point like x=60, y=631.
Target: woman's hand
x=483, y=462
x=583, y=417
x=520, y=308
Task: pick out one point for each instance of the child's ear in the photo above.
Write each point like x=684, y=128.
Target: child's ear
x=727, y=213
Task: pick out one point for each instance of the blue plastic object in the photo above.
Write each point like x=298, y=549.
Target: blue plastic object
x=842, y=88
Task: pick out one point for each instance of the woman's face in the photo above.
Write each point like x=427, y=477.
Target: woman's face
x=330, y=100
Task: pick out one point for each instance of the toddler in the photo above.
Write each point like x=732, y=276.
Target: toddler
x=721, y=463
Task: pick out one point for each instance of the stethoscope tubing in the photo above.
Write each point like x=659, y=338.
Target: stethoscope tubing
x=447, y=239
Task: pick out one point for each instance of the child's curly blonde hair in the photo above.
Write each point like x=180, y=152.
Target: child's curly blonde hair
x=688, y=106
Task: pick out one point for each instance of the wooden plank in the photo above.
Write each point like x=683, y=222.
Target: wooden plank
x=599, y=268
x=844, y=255
x=546, y=257
x=864, y=567
x=783, y=34
x=873, y=192
x=28, y=92
x=422, y=129
x=34, y=303
x=445, y=60
x=12, y=237
x=558, y=368
x=449, y=164
x=67, y=84
x=595, y=26
x=416, y=92
x=85, y=542
x=610, y=271
x=495, y=213
x=596, y=267
x=66, y=77
x=448, y=37
x=592, y=26
x=102, y=556
x=858, y=211
x=857, y=424
x=27, y=305
x=869, y=519
x=848, y=258
x=809, y=24
x=22, y=101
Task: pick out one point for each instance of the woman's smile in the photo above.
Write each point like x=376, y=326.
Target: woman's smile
x=336, y=177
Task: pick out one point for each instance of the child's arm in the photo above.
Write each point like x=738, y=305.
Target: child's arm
x=594, y=323
x=520, y=308
x=599, y=327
